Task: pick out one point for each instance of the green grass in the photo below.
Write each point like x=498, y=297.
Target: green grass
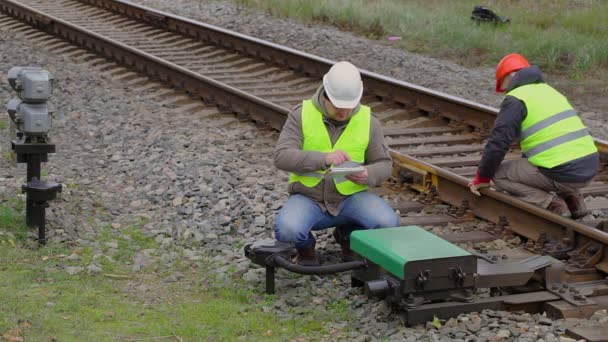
x=8, y=156
x=339, y=309
x=41, y=302
x=561, y=36
x=12, y=221
x=3, y=123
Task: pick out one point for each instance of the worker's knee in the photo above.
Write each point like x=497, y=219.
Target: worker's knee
x=371, y=211
x=387, y=219
x=289, y=230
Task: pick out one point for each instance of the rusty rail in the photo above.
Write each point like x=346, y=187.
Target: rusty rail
x=522, y=216
x=453, y=107
x=209, y=89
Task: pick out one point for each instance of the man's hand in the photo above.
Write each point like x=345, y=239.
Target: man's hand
x=336, y=158
x=478, y=183
x=359, y=178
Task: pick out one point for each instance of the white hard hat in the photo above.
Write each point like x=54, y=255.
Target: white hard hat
x=343, y=85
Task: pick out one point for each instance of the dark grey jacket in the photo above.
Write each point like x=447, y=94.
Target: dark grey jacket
x=288, y=156
x=507, y=129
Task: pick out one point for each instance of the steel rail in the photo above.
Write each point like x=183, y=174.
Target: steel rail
x=524, y=218
x=432, y=101
x=455, y=108
x=207, y=88
x=453, y=188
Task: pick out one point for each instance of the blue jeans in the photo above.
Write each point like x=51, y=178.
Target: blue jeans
x=300, y=215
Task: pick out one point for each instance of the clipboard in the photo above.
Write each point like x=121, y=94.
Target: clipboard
x=345, y=171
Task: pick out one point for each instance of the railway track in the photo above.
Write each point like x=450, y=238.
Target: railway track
x=435, y=139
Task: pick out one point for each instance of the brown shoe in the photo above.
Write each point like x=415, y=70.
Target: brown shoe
x=559, y=206
x=307, y=257
x=345, y=252
x=577, y=205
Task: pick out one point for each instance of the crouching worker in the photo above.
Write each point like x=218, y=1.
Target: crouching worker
x=560, y=155
x=332, y=129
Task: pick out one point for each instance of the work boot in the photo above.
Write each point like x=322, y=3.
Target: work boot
x=336, y=235
x=307, y=257
x=559, y=206
x=345, y=252
x=577, y=205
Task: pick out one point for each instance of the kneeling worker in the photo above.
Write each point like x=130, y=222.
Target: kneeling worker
x=560, y=154
x=332, y=129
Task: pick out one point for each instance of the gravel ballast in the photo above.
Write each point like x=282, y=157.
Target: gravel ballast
x=202, y=189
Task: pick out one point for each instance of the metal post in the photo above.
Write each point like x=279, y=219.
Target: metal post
x=33, y=166
x=42, y=227
x=32, y=218
x=29, y=112
x=38, y=192
x=269, y=280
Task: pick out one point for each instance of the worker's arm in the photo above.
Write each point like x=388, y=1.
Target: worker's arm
x=288, y=154
x=377, y=159
x=507, y=129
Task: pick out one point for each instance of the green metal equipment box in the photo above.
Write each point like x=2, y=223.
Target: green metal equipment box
x=419, y=260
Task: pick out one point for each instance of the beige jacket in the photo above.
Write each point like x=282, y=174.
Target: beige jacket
x=288, y=156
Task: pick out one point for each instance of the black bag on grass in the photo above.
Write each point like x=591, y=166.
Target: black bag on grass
x=484, y=14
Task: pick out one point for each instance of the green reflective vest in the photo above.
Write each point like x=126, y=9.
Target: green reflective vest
x=354, y=141
x=551, y=134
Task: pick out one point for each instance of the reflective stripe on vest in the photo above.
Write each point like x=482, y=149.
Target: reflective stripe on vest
x=353, y=140
x=551, y=134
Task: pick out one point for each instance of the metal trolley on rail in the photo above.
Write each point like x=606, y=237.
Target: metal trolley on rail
x=421, y=275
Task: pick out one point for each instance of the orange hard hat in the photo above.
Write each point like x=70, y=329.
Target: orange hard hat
x=508, y=64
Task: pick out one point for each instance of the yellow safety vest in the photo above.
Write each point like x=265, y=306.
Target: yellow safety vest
x=552, y=133
x=354, y=141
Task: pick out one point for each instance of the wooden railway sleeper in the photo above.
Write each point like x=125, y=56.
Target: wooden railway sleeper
x=434, y=112
x=156, y=19
x=484, y=130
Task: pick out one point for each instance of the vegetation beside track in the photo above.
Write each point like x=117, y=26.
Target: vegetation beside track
x=42, y=301
x=563, y=37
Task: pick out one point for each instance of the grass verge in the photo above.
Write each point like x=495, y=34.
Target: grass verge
x=560, y=36
x=12, y=222
x=41, y=301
